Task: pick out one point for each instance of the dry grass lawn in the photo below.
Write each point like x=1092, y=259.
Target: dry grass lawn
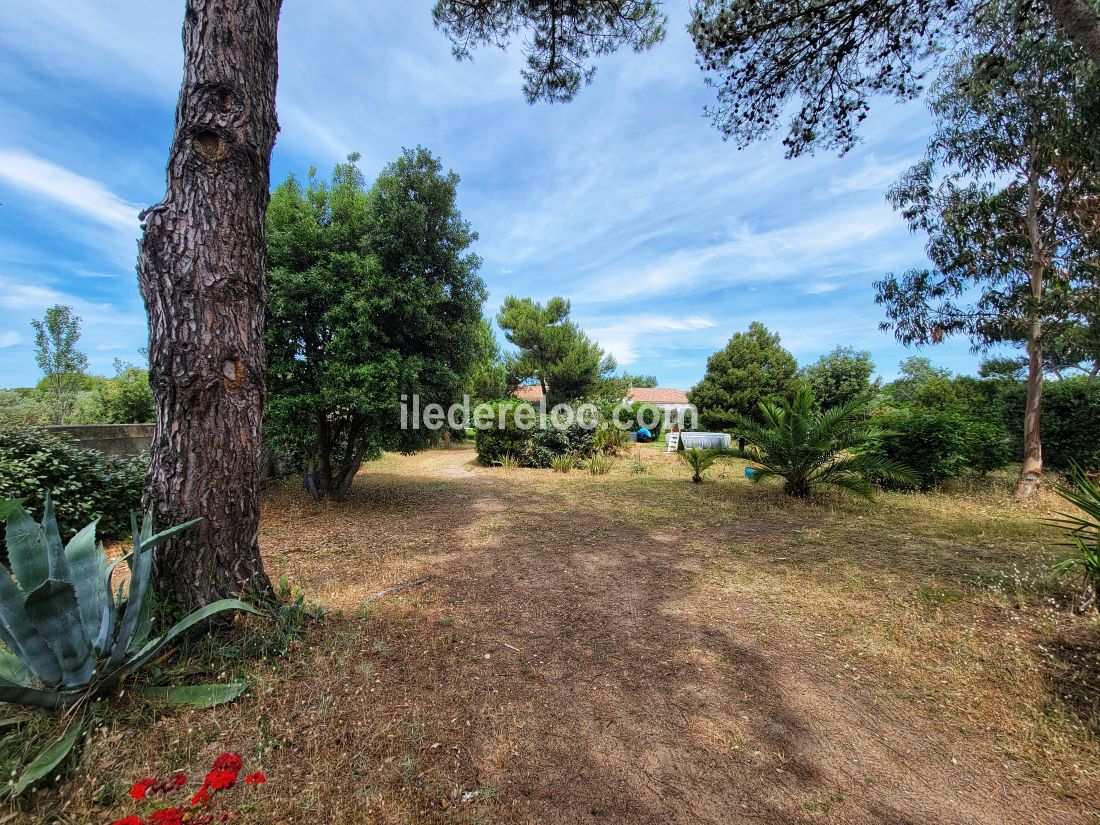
x=633, y=648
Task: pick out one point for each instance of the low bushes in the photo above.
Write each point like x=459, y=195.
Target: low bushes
x=515, y=429
x=85, y=484
x=506, y=436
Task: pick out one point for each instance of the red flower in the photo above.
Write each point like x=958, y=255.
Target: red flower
x=228, y=762
x=128, y=820
x=222, y=775
x=141, y=788
x=255, y=778
x=166, y=816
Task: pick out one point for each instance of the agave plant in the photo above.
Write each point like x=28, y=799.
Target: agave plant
x=809, y=448
x=1083, y=532
x=68, y=637
x=699, y=461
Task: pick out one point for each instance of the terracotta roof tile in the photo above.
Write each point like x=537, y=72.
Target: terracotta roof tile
x=657, y=395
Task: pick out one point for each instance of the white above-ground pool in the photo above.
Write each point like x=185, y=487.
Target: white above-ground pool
x=704, y=441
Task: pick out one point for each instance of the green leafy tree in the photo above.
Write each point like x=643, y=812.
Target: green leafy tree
x=752, y=368
x=488, y=378
x=1009, y=197
x=127, y=398
x=552, y=350
x=373, y=296
x=914, y=373
x=840, y=376
x=821, y=64
x=55, y=339
x=1073, y=348
x=809, y=447
x=1000, y=368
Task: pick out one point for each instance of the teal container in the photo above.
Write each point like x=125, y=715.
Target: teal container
x=750, y=473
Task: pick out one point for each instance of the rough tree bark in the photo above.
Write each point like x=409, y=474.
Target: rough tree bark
x=201, y=271
x=1080, y=22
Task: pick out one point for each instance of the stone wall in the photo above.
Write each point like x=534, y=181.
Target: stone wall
x=109, y=439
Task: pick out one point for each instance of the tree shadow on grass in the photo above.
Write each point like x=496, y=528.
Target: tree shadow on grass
x=567, y=664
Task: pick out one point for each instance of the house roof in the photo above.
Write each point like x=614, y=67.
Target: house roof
x=657, y=395
x=528, y=392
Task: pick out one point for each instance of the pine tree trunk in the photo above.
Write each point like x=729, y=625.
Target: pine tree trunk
x=201, y=271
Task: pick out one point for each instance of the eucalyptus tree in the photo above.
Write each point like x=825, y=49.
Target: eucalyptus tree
x=820, y=64
x=1008, y=194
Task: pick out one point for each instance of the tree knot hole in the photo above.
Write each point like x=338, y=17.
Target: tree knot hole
x=210, y=144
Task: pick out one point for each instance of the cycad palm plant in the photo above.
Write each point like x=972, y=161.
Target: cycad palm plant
x=809, y=448
x=1083, y=532
x=699, y=461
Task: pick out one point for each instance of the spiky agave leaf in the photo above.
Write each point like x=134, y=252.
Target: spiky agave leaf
x=26, y=550
x=153, y=647
x=87, y=564
x=56, y=613
x=197, y=696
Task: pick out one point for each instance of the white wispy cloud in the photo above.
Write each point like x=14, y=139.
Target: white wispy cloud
x=89, y=198
x=624, y=336
x=10, y=338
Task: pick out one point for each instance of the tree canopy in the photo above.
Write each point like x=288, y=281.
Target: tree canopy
x=840, y=376
x=1008, y=195
x=552, y=350
x=821, y=64
x=55, y=339
x=373, y=295
x=753, y=367
x=561, y=39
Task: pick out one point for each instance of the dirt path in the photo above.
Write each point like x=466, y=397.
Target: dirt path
x=567, y=666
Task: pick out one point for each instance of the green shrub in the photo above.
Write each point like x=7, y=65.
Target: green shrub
x=987, y=447
x=494, y=442
x=1069, y=424
x=939, y=445
x=563, y=463
x=549, y=442
x=85, y=484
x=21, y=409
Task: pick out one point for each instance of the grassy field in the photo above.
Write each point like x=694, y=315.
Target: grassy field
x=633, y=648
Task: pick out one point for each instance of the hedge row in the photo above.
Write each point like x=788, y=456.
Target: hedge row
x=84, y=484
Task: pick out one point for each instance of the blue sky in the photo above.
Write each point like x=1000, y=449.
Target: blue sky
x=626, y=201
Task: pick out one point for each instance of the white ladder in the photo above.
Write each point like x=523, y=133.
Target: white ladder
x=673, y=441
